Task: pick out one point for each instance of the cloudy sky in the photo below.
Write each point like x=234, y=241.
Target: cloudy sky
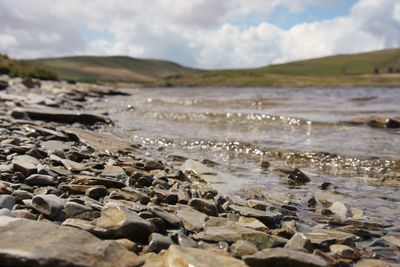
x=199, y=33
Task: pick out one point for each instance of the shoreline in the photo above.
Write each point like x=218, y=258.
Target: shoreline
x=70, y=189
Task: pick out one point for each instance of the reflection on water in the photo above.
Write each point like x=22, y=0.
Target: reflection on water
x=311, y=129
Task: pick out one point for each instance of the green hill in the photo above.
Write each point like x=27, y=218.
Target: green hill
x=336, y=71
x=110, y=69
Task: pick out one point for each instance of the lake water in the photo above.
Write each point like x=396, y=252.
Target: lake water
x=235, y=129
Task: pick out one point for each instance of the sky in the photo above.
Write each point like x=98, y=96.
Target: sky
x=199, y=33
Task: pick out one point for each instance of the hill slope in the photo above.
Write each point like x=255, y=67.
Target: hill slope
x=341, y=70
x=110, y=69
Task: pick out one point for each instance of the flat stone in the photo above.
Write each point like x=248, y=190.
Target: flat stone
x=119, y=222
x=54, y=145
x=257, y=204
x=278, y=257
x=96, y=192
x=49, y=205
x=185, y=241
x=91, y=180
x=253, y=223
x=58, y=115
x=233, y=233
x=39, y=243
x=344, y=251
x=25, y=164
x=41, y=180
x=324, y=236
x=72, y=165
x=375, y=263
x=200, y=173
x=191, y=219
x=128, y=193
x=180, y=257
x=169, y=218
x=340, y=209
x=271, y=219
x=243, y=248
x=299, y=241
x=392, y=239
x=113, y=171
x=73, y=209
x=203, y=205
x=21, y=195
x=7, y=202
x=102, y=142
x=164, y=196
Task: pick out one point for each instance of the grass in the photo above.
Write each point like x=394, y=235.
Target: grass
x=334, y=71
x=110, y=69
x=15, y=68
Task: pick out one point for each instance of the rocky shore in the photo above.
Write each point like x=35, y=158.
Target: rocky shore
x=73, y=195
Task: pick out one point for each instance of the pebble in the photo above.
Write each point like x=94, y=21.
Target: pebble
x=49, y=205
x=7, y=202
x=206, y=206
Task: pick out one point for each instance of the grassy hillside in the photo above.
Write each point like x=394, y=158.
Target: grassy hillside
x=336, y=71
x=110, y=69
x=340, y=70
x=23, y=69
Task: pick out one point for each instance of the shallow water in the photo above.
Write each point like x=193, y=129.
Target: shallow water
x=311, y=129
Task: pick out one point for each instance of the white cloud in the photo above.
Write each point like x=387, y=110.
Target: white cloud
x=200, y=33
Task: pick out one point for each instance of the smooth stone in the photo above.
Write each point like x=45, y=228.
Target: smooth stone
x=26, y=159
x=102, y=142
x=130, y=194
x=58, y=115
x=206, y=206
x=282, y=257
x=257, y=204
x=41, y=180
x=164, y=196
x=21, y=195
x=169, y=218
x=295, y=176
x=49, y=205
x=299, y=241
x=6, y=212
x=72, y=165
x=7, y=202
x=233, y=233
x=392, y=239
x=119, y=222
x=340, y=209
x=113, y=171
x=243, y=248
x=269, y=218
x=253, y=223
x=24, y=214
x=91, y=180
x=183, y=257
x=158, y=242
x=54, y=145
x=191, y=219
x=344, y=251
x=25, y=168
x=375, y=263
x=73, y=209
x=151, y=165
x=198, y=172
x=327, y=237
x=40, y=243
x=96, y=192
x=185, y=241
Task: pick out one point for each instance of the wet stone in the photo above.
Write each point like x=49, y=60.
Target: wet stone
x=340, y=209
x=299, y=241
x=282, y=257
x=206, y=206
x=40, y=243
x=41, y=180
x=344, y=251
x=49, y=205
x=270, y=219
x=73, y=209
x=164, y=196
x=295, y=176
x=170, y=219
x=96, y=192
x=158, y=242
x=243, y=248
x=191, y=219
x=119, y=222
x=185, y=241
x=7, y=202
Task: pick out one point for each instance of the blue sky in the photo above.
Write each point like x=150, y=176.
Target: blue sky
x=199, y=33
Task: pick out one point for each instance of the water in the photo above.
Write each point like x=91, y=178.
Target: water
x=312, y=129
